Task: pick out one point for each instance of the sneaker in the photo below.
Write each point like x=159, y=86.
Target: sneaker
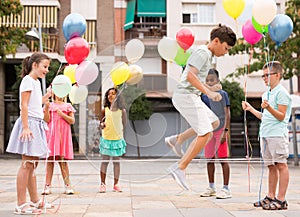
x=171, y=141
x=224, y=194
x=46, y=190
x=69, y=190
x=102, y=188
x=117, y=188
x=209, y=192
x=179, y=176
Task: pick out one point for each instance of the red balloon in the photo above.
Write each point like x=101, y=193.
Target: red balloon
x=185, y=38
x=76, y=50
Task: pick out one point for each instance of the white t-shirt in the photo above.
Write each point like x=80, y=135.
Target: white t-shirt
x=35, y=105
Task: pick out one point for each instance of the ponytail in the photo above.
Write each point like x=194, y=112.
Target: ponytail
x=28, y=61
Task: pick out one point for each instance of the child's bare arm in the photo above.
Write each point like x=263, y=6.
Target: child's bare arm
x=247, y=107
x=278, y=114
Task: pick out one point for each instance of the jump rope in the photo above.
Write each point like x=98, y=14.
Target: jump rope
x=248, y=143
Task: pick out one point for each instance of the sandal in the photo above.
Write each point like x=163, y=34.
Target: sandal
x=26, y=209
x=276, y=205
x=262, y=202
x=41, y=205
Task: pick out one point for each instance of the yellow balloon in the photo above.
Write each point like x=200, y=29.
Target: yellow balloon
x=69, y=71
x=119, y=73
x=136, y=75
x=234, y=8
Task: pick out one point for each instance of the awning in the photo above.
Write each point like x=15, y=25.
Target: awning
x=151, y=8
x=130, y=14
x=28, y=17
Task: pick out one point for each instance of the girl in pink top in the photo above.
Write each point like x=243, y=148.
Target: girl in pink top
x=59, y=115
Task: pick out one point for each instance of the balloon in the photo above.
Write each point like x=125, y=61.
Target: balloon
x=61, y=85
x=258, y=27
x=167, y=48
x=136, y=74
x=250, y=34
x=78, y=94
x=76, y=50
x=134, y=50
x=233, y=8
x=280, y=28
x=86, y=73
x=247, y=12
x=69, y=71
x=264, y=11
x=182, y=57
x=185, y=37
x=74, y=25
x=119, y=73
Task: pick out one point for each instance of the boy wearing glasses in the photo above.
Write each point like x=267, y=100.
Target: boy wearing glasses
x=276, y=105
x=187, y=100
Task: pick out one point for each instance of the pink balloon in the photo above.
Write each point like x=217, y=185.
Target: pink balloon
x=86, y=73
x=250, y=34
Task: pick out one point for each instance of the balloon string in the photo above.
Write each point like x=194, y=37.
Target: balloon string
x=58, y=71
x=237, y=28
x=247, y=140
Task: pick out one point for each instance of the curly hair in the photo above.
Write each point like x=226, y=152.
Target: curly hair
x=119, y=101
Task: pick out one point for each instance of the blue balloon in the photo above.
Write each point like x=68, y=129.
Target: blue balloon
x=280, y=28
x=74, y=25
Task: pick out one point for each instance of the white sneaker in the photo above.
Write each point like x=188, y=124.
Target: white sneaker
x=171, y=141
x=179, y=176
x=209, y=192
x=69, y=190
x=46, y=190
x=224, y=194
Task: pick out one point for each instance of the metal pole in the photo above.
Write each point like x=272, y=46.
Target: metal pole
x=41, y=50
x=295, y=142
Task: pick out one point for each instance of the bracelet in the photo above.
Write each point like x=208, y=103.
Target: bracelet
x=226, y=129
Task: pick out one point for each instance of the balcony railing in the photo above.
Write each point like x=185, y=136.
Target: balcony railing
x=50, y=44
x=146, y=30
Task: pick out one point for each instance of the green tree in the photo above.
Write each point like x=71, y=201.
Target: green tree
x=53, y=70
x=236, y=95
x=138, y=108
x=10, y=37
x=288, y=53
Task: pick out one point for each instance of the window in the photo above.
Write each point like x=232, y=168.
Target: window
x=203, y=13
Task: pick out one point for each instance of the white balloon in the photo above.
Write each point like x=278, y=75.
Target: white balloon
x=264, y=11
x=167, y=48
x=61, y=85
x=136, y=74
x=134, y=50
x=78, y=94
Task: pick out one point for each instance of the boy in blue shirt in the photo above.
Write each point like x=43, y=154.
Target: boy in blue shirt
x=276, y=105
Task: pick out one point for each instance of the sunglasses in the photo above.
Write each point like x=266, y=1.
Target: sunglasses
x=266, y=75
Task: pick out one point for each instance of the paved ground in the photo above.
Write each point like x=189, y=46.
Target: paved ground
x=150, y=191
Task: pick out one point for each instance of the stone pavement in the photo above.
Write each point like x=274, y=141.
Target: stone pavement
x=149, y=191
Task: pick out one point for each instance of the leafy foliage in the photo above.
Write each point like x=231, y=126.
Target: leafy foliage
x=53, y=70
x=138, y=107
x=236, y=95
x=10, y=37
x=288, y=53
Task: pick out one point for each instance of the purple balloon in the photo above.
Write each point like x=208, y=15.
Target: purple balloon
x=250, y=34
